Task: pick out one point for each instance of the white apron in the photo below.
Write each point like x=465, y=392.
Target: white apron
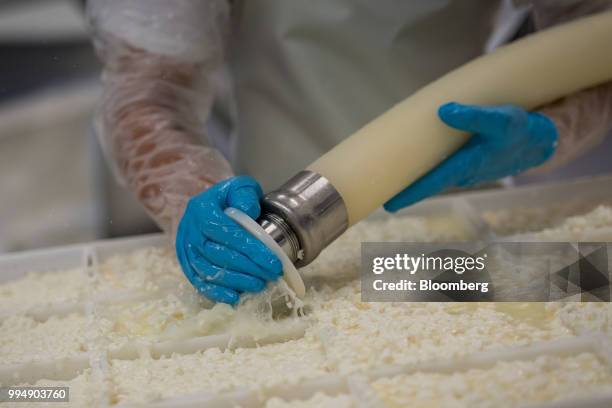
x=308, y=73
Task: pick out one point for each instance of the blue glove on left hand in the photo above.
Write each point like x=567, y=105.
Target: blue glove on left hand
x=507, y=140
x=219, y=257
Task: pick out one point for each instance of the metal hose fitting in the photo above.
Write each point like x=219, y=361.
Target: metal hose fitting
x=304, y=216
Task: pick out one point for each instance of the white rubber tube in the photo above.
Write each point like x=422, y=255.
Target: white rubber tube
x=394, y=150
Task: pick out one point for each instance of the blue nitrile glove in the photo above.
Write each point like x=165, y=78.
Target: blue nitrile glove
x=219, y=257
x=507, y=140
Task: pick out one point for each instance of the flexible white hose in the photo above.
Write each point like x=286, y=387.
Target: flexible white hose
x=397, y=148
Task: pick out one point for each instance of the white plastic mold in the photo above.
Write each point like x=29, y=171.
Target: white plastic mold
x=567, y=198
x=357, y=386
x=88, y=256
x=591, y=190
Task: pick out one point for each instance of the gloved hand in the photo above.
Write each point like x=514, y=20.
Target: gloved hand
x=219, y=257
x=507, y=140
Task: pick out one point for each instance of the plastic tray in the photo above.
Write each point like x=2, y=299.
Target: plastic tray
x=88, y=256
x=590, y=189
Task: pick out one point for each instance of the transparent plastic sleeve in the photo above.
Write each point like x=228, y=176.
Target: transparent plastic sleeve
x=158, y=60
x=585, y=118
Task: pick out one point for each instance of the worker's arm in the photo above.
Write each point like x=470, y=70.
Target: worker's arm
x=583, y=119
x=159, y=57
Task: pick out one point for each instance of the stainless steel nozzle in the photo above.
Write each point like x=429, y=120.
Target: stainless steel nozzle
x=303, y=216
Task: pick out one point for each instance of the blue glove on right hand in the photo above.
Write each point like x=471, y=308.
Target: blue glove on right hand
x=506, y=140
x=219, y=257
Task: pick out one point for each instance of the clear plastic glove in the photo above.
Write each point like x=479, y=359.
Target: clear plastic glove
x=219, y=257
x=507, y=140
